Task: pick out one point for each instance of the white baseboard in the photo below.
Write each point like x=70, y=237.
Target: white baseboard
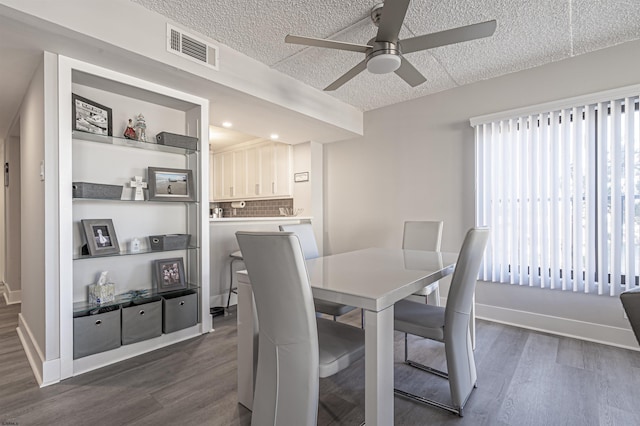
x=592, y=332
x=221, y=300
x=12, y=297
x=46, y=372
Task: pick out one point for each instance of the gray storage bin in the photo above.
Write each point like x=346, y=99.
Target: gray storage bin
x=180, y=310
x=181, y=141
x=169, y=241
x=97, y=330
x=141, y=320
x=96, y=190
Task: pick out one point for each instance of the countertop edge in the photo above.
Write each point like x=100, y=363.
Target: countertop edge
x=258, y=219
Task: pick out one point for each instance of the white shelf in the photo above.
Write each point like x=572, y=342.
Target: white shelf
x=114, y=140
x=87, y=157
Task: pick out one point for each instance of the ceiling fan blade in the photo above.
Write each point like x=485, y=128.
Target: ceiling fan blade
x=361, y=66
x=443, y=38
x=410, y=74
x=391, y=20
x=330, y=44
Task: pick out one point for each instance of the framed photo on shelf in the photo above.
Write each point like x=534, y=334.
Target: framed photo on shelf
x=168, y=274
x=101, y=236
x=170, y=184
x=91, y=117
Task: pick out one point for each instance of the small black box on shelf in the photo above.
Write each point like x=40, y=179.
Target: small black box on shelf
x=169, y=242
x=96, y=190
x=180, y=141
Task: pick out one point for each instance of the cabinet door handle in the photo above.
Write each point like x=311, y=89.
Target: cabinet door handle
x=273, y=187
x=231, y=191
x=98, y=322
x=257, y=189
x=141, y=312
x=181, y=302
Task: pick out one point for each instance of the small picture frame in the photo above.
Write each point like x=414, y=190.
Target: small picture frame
x=91, y=117
x=168, y=274
x=170, y=184
x=101, y=237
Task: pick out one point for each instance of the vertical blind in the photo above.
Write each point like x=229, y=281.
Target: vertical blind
x=561, y=192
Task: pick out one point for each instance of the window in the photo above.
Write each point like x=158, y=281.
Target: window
x=560, y=190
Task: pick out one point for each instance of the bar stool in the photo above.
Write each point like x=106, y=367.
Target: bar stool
x=235, y=256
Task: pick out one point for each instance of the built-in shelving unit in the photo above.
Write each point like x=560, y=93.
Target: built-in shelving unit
x=115, y=160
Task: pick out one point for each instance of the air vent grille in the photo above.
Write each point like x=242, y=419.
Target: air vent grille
x=175, y=40
x=191, y=47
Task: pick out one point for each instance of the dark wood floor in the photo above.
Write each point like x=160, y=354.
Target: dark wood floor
x=525, y=378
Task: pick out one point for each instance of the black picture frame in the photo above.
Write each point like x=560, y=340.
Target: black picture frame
x=101, y=236
x=170, y=184
x=168, y=274
x=90, y=117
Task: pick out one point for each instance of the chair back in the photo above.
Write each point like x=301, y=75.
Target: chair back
x=304, y=231
x=459, y=352
x=465, y=275
x=287, y=381
x=631, y=303
x=422, y=235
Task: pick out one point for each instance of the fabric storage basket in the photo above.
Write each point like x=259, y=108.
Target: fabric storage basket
x=169, y=241
x=141, y=320
x=96, y=190
x=96, y=330
x=180, y=310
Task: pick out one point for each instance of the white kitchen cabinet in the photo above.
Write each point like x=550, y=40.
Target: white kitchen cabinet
x=256, y=172
x=217, y=172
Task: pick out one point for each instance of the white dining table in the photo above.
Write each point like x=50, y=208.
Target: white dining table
x=373, y=279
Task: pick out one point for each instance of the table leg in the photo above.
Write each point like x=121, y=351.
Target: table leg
x=378, y=328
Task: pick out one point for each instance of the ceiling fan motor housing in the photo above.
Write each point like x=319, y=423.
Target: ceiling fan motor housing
x=383, y=58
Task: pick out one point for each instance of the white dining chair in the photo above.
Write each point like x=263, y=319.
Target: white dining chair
x=449, y=325
x=304, y=231
x=424, y=235
x=295, y=349
x=630, y=300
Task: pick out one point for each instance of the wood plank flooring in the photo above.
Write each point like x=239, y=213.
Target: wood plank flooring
x=525, y=378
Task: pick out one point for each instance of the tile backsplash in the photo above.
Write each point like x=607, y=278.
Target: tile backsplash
x=255, y=208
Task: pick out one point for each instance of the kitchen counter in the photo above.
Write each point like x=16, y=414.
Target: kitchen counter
x=260, y=219
x=222, y=237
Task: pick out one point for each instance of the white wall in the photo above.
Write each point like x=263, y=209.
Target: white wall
x=32, y=208
x=416, y=161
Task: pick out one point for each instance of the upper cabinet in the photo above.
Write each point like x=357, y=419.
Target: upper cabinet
x=259, y=171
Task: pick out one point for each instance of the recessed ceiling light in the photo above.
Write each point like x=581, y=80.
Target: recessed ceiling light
x=274, y=136
x=227, y=124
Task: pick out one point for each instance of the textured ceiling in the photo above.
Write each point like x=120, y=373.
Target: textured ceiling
x=529, y=33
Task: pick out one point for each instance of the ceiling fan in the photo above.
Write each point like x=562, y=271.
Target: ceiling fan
x=384, y=52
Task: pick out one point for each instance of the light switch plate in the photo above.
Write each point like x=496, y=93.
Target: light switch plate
x=42, y=170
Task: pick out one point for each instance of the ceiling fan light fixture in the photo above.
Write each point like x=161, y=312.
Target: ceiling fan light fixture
x=383, y=63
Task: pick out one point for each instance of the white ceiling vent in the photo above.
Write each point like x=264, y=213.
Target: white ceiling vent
x=191, y=47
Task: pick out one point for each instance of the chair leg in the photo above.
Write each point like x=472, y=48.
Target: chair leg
x=406, y=349
x=231, y=289
x=431, y=402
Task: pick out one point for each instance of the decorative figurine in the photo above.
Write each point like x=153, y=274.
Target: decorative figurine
x=141, y=128
x=138, y=184
x=135, y=245
x=129, y=132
